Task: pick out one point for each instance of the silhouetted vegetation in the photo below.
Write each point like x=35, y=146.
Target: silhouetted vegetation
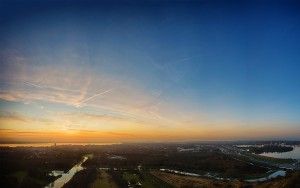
x=137, y=165
x=30, y=166
x=270, y=148
x=82, y=178
x=208, y=159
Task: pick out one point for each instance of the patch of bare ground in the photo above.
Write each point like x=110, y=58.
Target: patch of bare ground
x=193, y=182
x=291, y=181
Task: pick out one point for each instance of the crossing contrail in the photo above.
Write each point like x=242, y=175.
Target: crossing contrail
x=33, y=85
x=49, y=87
x=96, y=95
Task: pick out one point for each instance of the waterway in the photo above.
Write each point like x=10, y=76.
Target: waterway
x=65, y=177
x=279, y=173
x=275, y=174
x=294, y=154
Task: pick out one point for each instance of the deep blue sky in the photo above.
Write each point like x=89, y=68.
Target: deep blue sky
x=204, y=62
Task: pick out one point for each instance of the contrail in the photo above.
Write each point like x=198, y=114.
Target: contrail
x=90, y=98
x=34, y=85
x=49, y=87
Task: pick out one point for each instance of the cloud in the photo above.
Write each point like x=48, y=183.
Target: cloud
x=63, y=79
x=17, y=121
x=77, y=89
x=71, y=83
x=80, y=135
x=4, y=116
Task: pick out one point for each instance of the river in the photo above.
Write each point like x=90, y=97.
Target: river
x=278, y=173
x=65, y=177
x=294, y=154
x=275, y=174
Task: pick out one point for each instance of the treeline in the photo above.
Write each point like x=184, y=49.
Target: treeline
x=144, y=177
x=197, y=162
x=118, y=178
x=83, y=178
x=30, y=166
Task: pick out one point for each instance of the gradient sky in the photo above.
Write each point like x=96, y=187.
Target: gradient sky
x=116, y=71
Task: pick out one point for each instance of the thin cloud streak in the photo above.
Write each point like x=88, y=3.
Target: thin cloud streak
x=92, y=97
x=49, y=87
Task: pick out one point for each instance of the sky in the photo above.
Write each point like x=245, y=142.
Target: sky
x=148, y=71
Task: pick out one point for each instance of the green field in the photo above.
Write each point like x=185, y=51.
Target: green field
x=19, y=175
x=143, y=179
x=103, y=180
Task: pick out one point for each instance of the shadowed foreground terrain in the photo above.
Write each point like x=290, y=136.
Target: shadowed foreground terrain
x=146, y=165
x=292, y=180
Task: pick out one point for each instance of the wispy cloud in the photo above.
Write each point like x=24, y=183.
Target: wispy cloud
x=70, y=83
x=13, y=116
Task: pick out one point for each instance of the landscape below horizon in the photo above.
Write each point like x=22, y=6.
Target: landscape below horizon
x=149, y=93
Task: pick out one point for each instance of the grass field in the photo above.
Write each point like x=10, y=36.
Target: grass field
x=143, y=178
x=103, y=180
x=151, y=181
x=19, y=175
x=131, y=177
x=186, y=181
x=292, y=180
x=23, y=178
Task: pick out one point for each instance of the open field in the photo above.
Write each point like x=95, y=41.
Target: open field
x=186, y=181
x=292, y=181
x=103, y=180
x=134, y=178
